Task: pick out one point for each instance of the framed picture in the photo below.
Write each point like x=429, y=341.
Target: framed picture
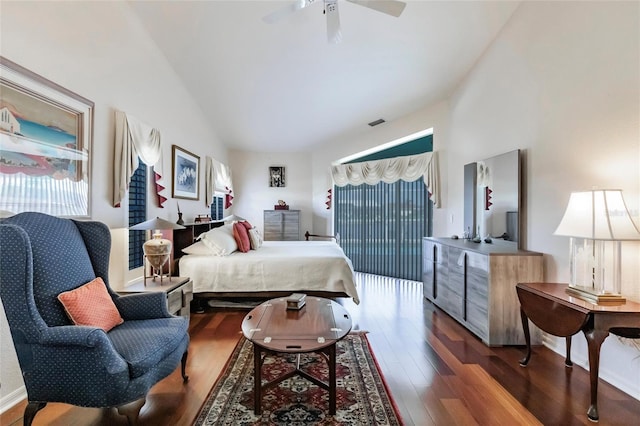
x=185, y=168
x=45, y=145
x=276, y=177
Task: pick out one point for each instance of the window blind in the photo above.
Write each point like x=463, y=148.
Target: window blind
x=381, y=226
x=217, y=208
x=137, y=214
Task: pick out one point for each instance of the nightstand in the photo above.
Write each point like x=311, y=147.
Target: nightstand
x=179, y=291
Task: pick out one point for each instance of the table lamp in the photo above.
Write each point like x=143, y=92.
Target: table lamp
x=597, y=221
x=157, y=250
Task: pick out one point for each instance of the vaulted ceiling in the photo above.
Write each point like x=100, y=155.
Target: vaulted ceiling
x=283, y=87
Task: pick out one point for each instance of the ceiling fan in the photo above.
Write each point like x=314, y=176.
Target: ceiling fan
x=334, y=35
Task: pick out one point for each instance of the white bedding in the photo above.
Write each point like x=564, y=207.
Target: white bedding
x=295, y=266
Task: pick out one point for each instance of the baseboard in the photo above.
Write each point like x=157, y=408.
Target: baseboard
x=581, y=359
x=13, y=398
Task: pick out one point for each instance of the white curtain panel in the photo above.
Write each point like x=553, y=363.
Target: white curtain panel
x=217, y=179
x=390, y=170
x=135, y=139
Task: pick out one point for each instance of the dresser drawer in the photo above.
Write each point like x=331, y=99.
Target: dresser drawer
x=187, y=293
x=174, y=300
x=450, y=302
x=180, y=298
x=478, y=290
x=456, y=260
x=455, y=282
x=478, y=320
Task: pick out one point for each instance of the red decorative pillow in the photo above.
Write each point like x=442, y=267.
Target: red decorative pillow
x=241, y=236
x=91, y=305
x=246, y=224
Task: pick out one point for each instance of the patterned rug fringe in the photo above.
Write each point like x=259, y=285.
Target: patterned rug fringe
x=362, y=392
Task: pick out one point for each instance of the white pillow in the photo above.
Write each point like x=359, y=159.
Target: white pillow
x=255, y=238
x=198, y=248
x=220, y=240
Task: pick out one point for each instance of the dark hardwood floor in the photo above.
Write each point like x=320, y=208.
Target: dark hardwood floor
x=438, y=373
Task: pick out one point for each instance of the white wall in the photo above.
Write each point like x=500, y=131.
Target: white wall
x=561, y=82
x=100, y=51
x=251, y=185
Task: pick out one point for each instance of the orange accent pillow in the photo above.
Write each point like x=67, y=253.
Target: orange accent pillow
x=246, y=224
x=91, y=305
x=241, y=236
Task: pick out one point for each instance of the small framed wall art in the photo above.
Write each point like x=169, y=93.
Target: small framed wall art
x=276, y=177
x=185, y=168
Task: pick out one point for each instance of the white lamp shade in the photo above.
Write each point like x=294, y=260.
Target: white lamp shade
x=156, y=223
x=598, y=215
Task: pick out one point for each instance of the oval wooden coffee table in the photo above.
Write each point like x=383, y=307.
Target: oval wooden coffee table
x=315, y=328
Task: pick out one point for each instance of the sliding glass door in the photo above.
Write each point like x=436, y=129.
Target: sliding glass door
x=381, y=226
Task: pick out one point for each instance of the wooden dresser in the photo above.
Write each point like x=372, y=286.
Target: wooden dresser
x=282, y=225
x=475, y=283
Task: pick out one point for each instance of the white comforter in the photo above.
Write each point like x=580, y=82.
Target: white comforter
x=295, y=266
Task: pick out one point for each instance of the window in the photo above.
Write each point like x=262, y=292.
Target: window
x=381, y=226
x=137, y=214
x=217, y=207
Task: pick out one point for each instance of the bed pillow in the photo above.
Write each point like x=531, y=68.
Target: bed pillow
x=220, y=240
x=91, y=305
x=198, y=248
x=246, y=224
x=242, y=237
x=255, y=238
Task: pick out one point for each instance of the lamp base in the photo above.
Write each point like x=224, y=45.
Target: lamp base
x=588, y=295
x=149, y=267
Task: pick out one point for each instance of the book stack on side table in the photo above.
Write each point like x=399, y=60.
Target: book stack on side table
x=296, y=300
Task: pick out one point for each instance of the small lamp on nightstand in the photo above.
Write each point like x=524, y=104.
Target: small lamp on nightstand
x=597, y=221
x=157, y=250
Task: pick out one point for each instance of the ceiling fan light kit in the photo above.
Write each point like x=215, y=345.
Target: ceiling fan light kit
x=334, y=34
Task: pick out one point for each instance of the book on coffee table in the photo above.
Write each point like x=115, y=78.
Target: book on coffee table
x=296, y=300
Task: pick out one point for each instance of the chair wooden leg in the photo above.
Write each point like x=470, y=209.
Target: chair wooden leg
x=131, y=410
x=30, y=411
x=185, y=378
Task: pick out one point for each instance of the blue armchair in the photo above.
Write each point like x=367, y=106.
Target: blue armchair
x=42, y=256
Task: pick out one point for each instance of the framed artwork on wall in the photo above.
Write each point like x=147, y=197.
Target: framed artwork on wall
x=276, y=177
x=45, y=145
x=185, y=168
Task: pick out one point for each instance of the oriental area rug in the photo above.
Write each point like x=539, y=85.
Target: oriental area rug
x=362, y=396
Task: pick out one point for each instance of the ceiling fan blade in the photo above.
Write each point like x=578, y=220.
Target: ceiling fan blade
x=390, y=7
x=334, y=35
x=287, y=10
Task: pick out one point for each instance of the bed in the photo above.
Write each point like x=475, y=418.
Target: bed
x=275, y=269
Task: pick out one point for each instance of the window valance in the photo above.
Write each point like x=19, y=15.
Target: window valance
x=408, y=168
x=217, y=179
x=135, y=140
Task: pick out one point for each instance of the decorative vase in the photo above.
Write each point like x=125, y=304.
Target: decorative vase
x=157, y=251
x=180, y=221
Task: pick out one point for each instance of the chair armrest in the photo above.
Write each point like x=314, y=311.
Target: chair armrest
x=72, y=335
x=140, y=306
x=73, y=340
